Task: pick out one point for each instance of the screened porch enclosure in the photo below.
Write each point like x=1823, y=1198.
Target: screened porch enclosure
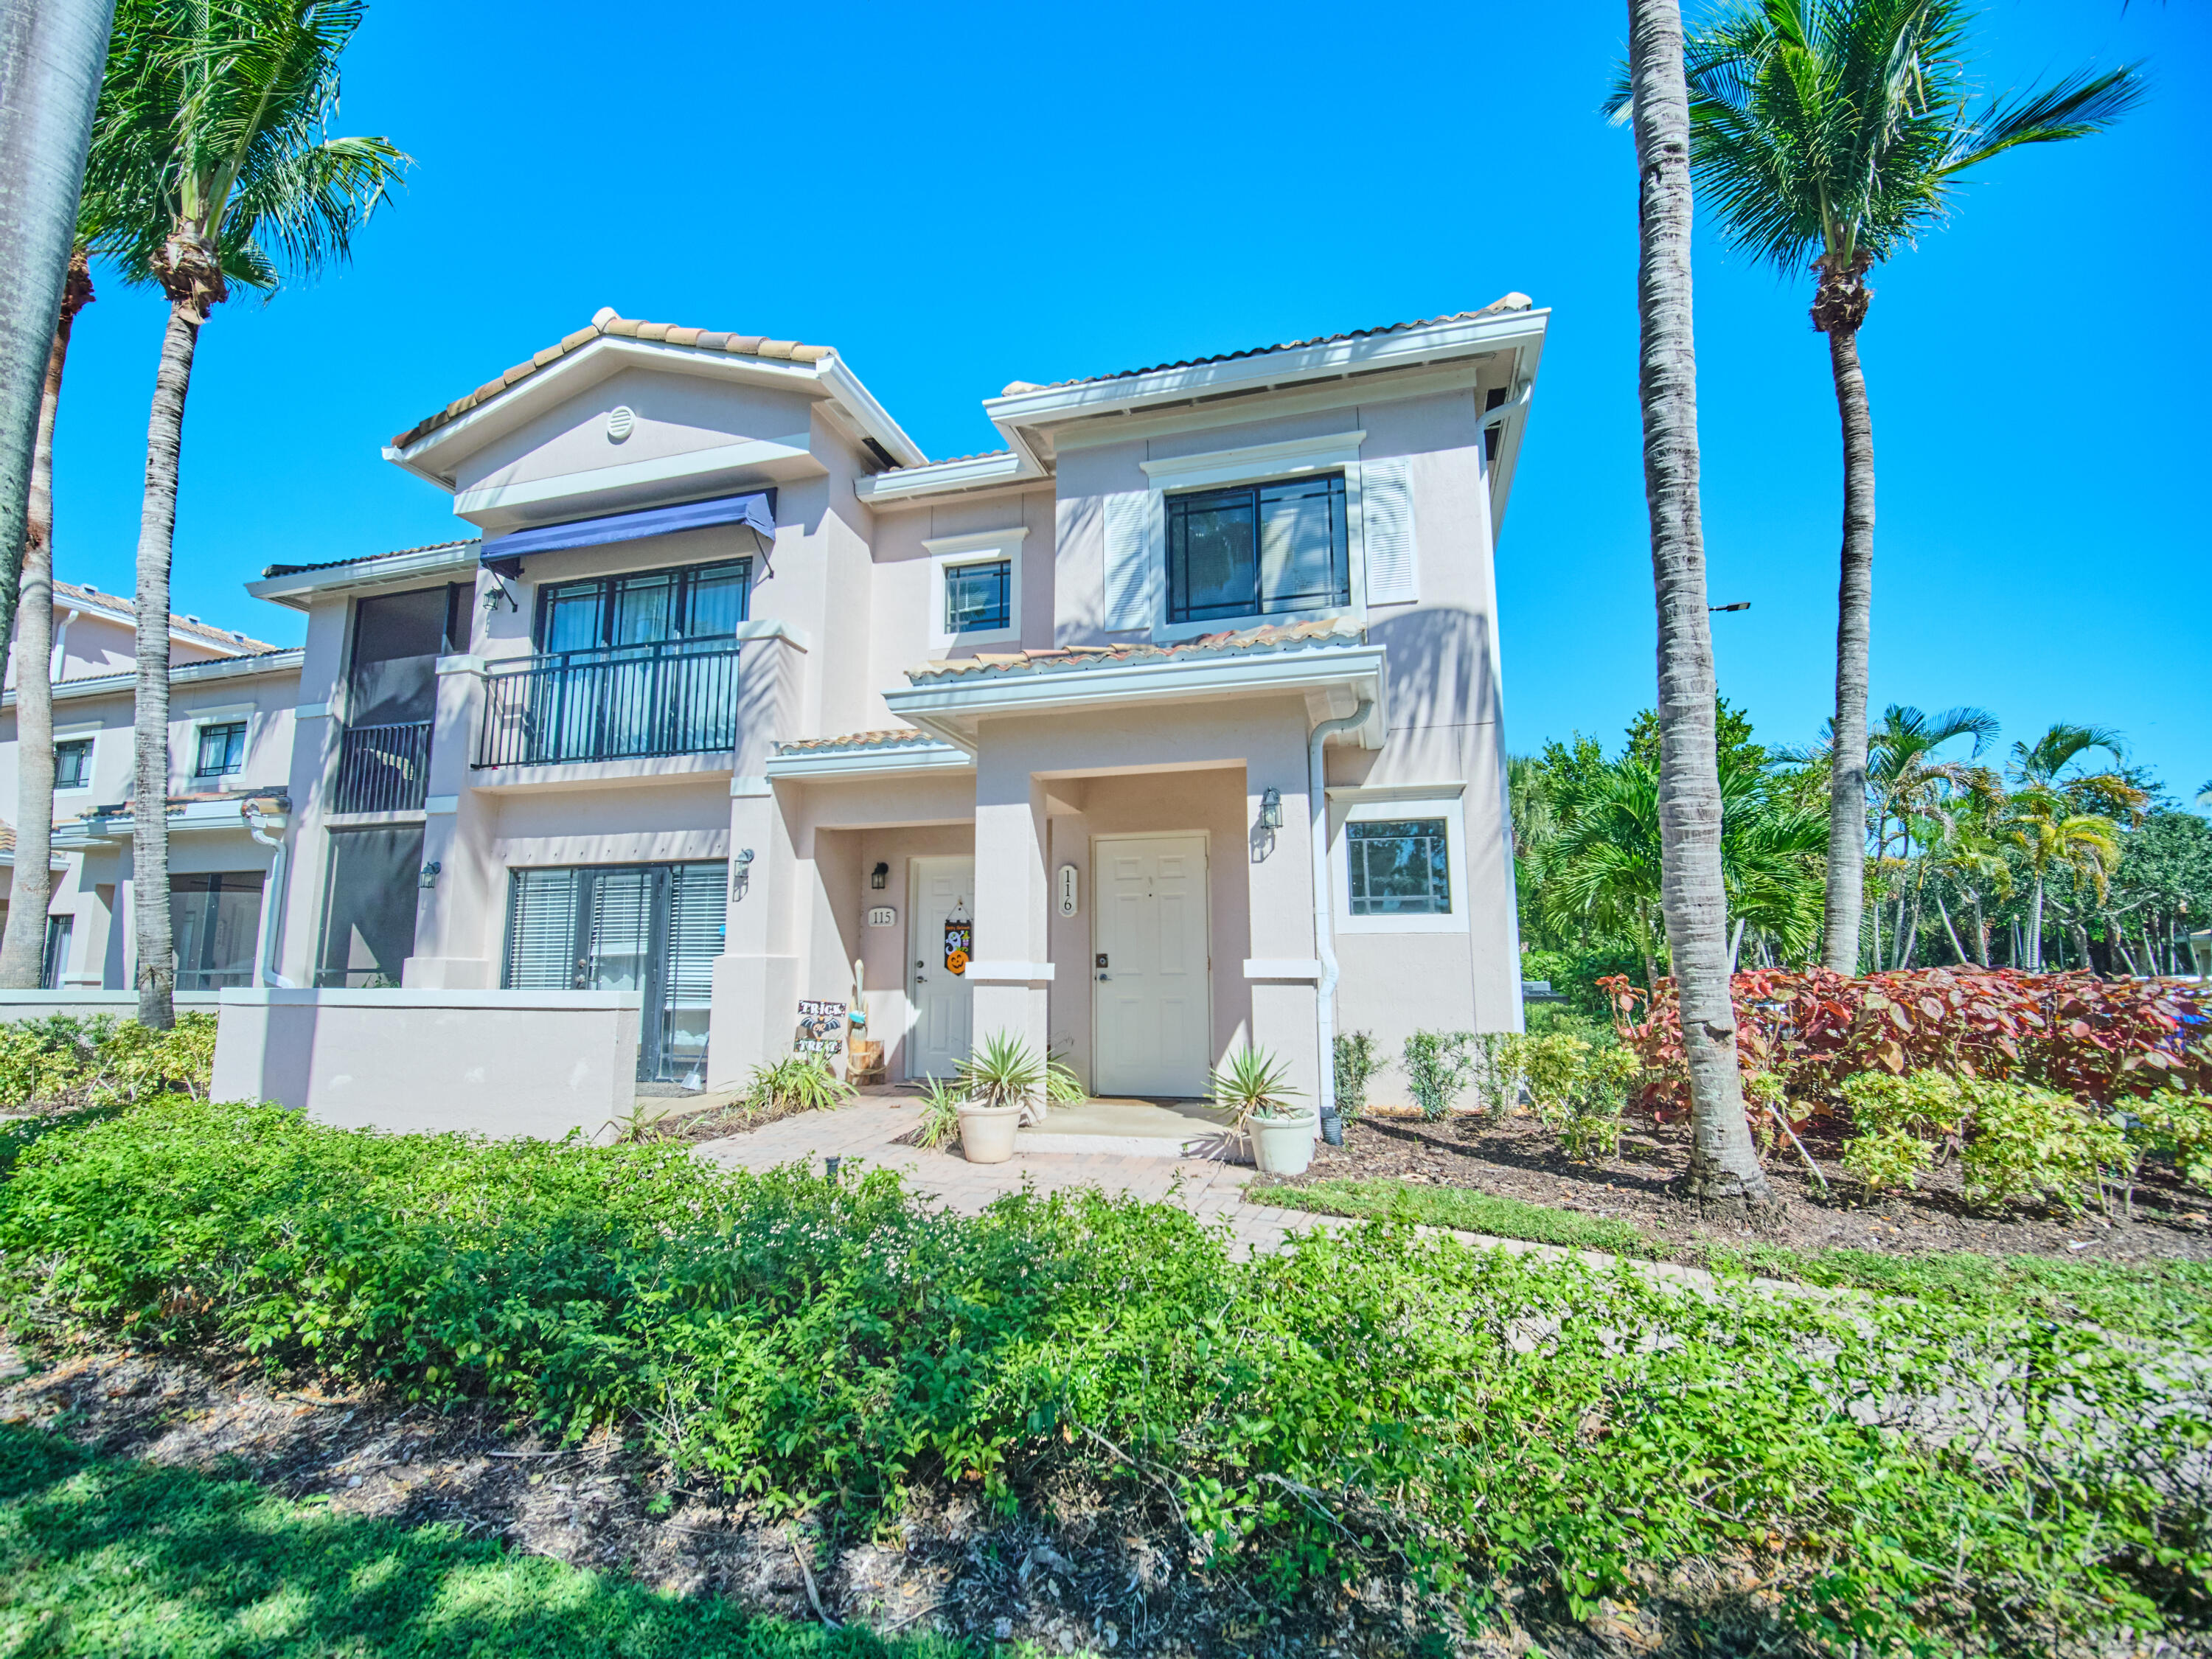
x=652, y=928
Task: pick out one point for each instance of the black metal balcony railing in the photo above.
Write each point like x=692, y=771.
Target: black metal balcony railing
x=619, y=702
x=384, y=768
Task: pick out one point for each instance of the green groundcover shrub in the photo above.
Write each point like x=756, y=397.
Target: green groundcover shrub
x=1376, y=1400
x=61, y=1062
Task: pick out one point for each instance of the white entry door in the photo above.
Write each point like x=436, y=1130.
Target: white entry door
x=1153, y=1002
x=942, y=999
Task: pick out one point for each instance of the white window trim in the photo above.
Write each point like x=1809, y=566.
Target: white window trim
x=1256, y=464
x=244, y=714
x=1444, y=801
x=985, y=547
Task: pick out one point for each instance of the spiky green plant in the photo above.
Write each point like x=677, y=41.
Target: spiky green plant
x=1004, y=1072
x=1061, y=1086
x=940, y=1114
x=1253, y=1083
x=799, y=1083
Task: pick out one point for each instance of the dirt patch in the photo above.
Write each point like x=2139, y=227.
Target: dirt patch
x=1075, y=1571
x=1520, y=1158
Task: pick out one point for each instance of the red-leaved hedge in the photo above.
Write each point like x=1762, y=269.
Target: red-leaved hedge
x=2094, y=1039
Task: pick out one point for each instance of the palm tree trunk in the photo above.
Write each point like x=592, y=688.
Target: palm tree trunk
x=1854, y=624
x=2082, y=944
x=1724, y=1169
x=2035, y=926
x=1981, y=930
x=157, y=528
x=1958, y=950
x=23, y=946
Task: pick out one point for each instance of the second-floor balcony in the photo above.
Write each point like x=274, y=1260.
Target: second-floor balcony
x=614, y=702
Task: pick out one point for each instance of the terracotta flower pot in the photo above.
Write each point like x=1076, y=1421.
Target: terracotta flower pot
x=1282, y=1145
x=987, y=1132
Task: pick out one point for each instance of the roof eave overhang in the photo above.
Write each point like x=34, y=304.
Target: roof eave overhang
x=432, y=456
x=953, y=709
x=192, y=673
x=949, y=478
x=1023, y=417
x=820, y=766
x=297, y=588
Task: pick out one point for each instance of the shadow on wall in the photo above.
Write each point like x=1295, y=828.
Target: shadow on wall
x=1439, y=667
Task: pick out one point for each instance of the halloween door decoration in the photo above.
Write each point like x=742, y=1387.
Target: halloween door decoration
x=959, y=939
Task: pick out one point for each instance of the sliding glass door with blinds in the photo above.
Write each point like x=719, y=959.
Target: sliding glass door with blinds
x=652, y=928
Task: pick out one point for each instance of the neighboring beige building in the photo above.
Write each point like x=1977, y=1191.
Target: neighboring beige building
x=730, y=693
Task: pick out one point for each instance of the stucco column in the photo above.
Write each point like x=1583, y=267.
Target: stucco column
x=457, y=921
x=1012, y=968
x=1284, y=964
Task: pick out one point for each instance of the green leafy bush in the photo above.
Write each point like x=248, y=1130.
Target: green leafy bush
x=1575, y=974
x=1577, y=1087
x=2014, y=1141
x=61, y=1062
x=795, y=1083
x=1356, y=1061
x=1439, y=1065
x=2179, y=1127
x=1374, y=1401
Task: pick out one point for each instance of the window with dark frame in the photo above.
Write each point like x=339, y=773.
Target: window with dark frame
x=1258, y=550
x=691, y=604
x=1399, y=867
x=979, y=596
x=222, y=749
x=73, y=764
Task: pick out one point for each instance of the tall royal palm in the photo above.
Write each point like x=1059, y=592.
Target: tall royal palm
x=1724, y=1169
x=1830, y=133
x=232, y=99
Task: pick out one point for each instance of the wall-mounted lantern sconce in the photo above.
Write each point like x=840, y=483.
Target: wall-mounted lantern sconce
x=429, y=876
x=1270, y=807
x=879, y=877
x=744, y=857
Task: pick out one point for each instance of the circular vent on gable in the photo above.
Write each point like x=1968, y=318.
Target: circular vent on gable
x=621, y=421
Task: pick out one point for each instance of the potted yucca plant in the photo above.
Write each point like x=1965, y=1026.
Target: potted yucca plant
x=1002, y=1086
x=1253, y=1089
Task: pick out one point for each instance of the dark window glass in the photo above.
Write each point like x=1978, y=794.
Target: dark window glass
x=1399, y=867
x=73, y=764
x=215, y=922
x=397, y=638
x=368, y=907
x=977, y=597
x=697, y=603
x=1258, y=550
x=56, y=962
x=222, y=749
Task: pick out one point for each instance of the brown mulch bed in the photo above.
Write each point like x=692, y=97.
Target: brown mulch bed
x=1519, y=1158
x=1074, y=1569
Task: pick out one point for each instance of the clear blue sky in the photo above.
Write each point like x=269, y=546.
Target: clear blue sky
x=958, y=197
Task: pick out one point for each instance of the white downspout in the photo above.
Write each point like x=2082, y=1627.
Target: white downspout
x=1332, y=1127
x=272, y=908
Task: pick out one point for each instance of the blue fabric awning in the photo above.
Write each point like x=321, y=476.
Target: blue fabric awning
x=748, y=512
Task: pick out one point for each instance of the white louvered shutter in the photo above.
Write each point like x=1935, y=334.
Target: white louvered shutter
x=541, y=931
x=698, y=915
x=1132, y=561
x=1386, y=516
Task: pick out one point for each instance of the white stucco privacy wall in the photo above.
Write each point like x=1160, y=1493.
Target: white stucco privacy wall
x=502, y=1063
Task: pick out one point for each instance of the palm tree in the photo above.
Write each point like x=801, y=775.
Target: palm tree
x=22, y=947
x=1831, y=133
x=1908, y=783
x=231, y=100
x=1604, y=867
x=1724, y=1169
x=2053, y=761
x=2055, y=839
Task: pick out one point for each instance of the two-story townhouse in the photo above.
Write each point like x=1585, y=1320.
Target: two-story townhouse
x=1137, y=737
x=230, y=743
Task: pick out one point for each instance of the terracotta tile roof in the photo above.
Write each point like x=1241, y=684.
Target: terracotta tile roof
x=223, y=638
x=268, y=571
x=856, y=742
x=1506, y=303
x=1074, y=659
x=605, y=322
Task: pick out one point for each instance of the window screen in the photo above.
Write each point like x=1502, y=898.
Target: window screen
x=1258, y=550
x=215, y=923
x=1399, y=867
x=368, y=911
x=73, y=764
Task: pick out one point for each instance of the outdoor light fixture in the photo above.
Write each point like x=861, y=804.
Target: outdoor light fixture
x=1741, y=604
x=744, y=857
x=1270, y=807
x=429, y=876
x=879, y=876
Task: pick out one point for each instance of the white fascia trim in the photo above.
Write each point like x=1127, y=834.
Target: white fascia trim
x=1451, y=789
x=192, y=816
x=406, y=568
x=1255, y=461
x=1404, y=348
x=937, y=707
x=754, y=453
x=218, y=668
x=872, y=417
x=941, y=477
x=815, y=765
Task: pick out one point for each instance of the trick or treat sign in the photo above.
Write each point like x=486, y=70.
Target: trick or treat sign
x=820, y=1028
x=959, y=940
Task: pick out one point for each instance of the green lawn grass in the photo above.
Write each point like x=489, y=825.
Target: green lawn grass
x=2167, y=1299
x=103, y=1556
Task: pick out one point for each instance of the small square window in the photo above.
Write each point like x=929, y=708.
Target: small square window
x=222, y=749
x=978, y=598
x=1399, y=867
x=73, y=765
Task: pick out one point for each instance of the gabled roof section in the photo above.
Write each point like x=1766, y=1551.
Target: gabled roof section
x=604, y=324
x=1510, y=302
x=73, y=596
